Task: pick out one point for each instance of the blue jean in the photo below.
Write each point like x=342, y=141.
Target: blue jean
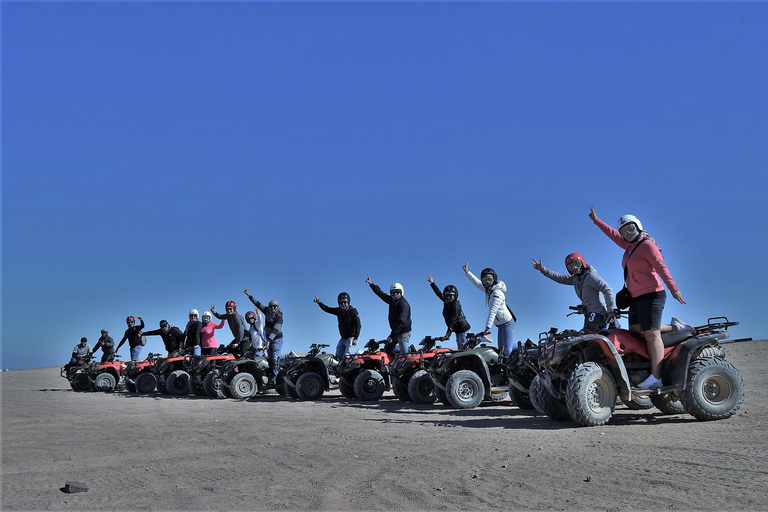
x=343, y=348
x=135, y=352
x=506, y=333
x=275, y=347
x=461, y=339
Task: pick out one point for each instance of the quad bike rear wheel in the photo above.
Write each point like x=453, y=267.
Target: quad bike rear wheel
x=520, y=398
x=145, y=382
x=105, y=382
x=465, y=389
x=369, y=385
x=668, y=403
x=179, y=383
x=714, y=389
x=243, y=385
x=347, y=390
x=81, y=382
x=212, y=386
x=545, y=403
x=400, y=390
x=310, y=386
x=591, y=394
x=421, y=389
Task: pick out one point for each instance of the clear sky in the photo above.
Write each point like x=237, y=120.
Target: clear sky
x=158, y=157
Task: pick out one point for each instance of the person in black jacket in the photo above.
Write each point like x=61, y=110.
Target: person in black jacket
x=107, y=346
x=349, y=324
x=273, y=330
x=192, y=332
x=452, y=312
x=399, y=316
x=234, y=320
x=172, y=336
x=134, y=337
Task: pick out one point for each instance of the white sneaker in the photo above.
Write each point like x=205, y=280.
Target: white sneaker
x=680, y=326
x=650, y=382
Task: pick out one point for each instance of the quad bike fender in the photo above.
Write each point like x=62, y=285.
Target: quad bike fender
x=470, y=361
x=248, y=366
x=318, y=366
x=674, y=367
x=606, y=348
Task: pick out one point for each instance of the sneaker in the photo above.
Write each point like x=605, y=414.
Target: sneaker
x=650, y=382
x=680, y=326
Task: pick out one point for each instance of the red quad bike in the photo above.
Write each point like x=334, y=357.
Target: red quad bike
x=580, y=375
x=365, y=376
x=172, y=374
x=204, y=372
x=410, y=372
x=77, y=375
x=138, y=374
x=107, y=376
x=308, y=377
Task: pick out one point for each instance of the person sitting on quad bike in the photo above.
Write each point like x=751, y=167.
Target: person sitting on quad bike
x=134, y=336
x=173, y=338
x=499, y=313
x=242, y=348
x=107, y=346
x=588, y=286
x=233, y=318
x=349, y=324
x=255, y=321
x=452, y=312
x=643, y=265
x=399, y=317
x=80, y=354
x=192, y=332
x=208, y=343
x=273, y=329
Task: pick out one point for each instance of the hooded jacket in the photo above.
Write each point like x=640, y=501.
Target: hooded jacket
x=236, y=324
x=498, y=312
x=588, y=285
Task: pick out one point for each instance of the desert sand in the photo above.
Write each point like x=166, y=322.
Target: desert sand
x=156, y=452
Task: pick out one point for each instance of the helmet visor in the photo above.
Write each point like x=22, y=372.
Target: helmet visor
x=629, y=232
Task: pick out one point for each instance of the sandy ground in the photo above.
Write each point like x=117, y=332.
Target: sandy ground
x=154, y=452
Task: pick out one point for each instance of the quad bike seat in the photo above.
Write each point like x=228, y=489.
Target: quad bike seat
x=670, y=339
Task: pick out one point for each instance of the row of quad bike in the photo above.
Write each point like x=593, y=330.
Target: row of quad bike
x=567, y=375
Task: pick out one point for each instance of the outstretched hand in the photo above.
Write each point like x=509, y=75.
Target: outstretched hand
x=316, y=299
x=245, y=291
x=368, y=279
x=429, y=278
x=213, y=308
x=466, y=267
x=537, y=264
x=592, y=214
x=679, y=296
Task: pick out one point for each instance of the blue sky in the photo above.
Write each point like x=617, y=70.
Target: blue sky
x=158, y=157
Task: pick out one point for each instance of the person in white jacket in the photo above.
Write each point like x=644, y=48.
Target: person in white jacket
x=499, y=313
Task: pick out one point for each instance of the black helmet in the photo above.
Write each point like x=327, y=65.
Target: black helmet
x=343, y=296
x=451, y=289
x=163, y=323
x=491, y=272
x=83, y=340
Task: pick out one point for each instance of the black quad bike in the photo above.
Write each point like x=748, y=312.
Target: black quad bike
x=466, y=377
x=138, y=374
x=308, y=377
x=172, y=374
x=580, y=375
x=77, y=374
x=247, y=376
x=409, y=372
x=365, y=376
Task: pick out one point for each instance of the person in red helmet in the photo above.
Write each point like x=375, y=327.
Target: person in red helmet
x=134, y=336
x=588, y=286
x=234, y=320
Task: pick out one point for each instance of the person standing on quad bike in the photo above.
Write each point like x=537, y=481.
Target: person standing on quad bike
x=173, y=338
x=399, y=317
x=273, y=329
x=79, y=354
x=107, y=346
x=133, y=335
x=452, y=312
x=192, y=332
x=588, y=286
x=349, y=324
x=643, y=265
x=208, y=343
x=499, y=313
x=255, y=321
x=234, y=320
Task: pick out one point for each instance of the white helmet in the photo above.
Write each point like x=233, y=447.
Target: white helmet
x=397, y=286
x=630, y=219
x=193, y=312
x=206, y=314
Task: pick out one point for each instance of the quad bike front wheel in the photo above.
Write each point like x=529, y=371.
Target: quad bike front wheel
x=369, y=385
x=105, y=382
x=465, y=389
x=714, y=389
x=400, y=390
x=667, y=403
x=243, y=385
x=545, y=403
x=520, y=398
x=179, y=383
x=310, y=386
x=346, y=389
x=421, y=389
x=145, y=382
x=212, y=386
x=591, y=394
x=81, y=382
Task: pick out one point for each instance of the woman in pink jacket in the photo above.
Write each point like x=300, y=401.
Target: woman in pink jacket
x=208, y=343
x=645, y=271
